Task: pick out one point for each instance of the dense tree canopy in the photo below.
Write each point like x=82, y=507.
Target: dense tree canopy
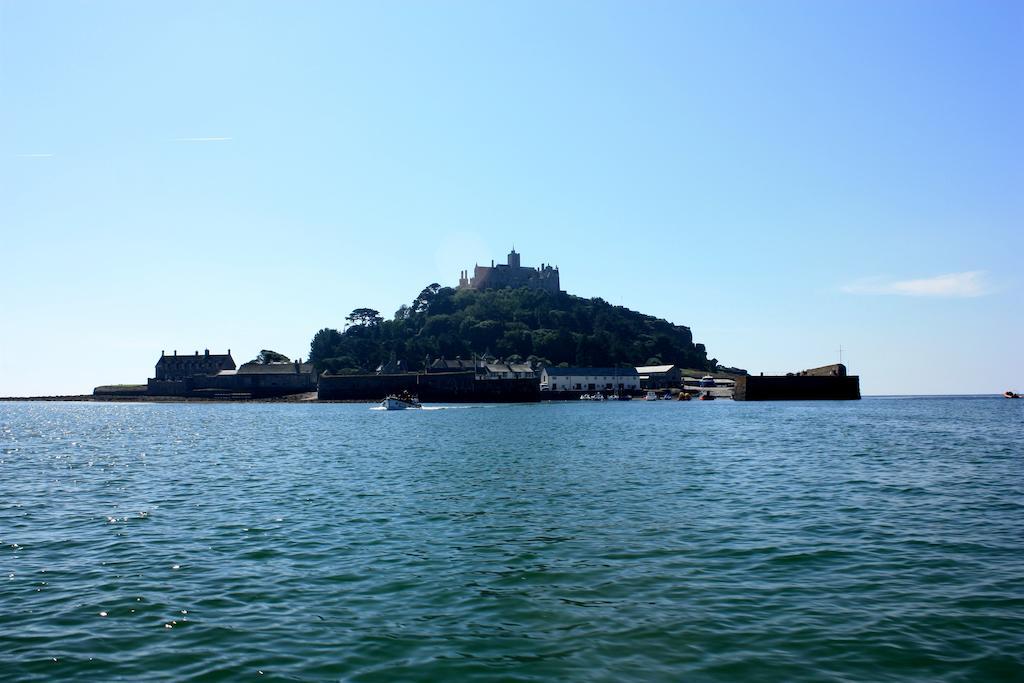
x=523, y=323
x=364, y=316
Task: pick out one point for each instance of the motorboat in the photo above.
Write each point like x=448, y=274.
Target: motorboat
x=666, y=397
x=400, y=402
x=598, y=397
x=1010, y=394
x=684, y=396
x=706, y=396
x=651, y=396
x=707, y=382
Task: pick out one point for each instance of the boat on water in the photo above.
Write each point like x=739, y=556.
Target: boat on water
x=651, y=396
x=1010, y=394
x=684, y=396
x=400, y=402
x=707, y=382
x=706, y=396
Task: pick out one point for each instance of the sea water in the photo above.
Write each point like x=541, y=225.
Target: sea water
x=704, y=541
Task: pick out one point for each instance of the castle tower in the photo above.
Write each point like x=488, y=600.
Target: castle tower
x=513, y=258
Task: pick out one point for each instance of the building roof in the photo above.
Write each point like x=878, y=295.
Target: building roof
x=655, y=369
x=275, y=368
x=576, y=372
x=190, y=358
x=391, y=367
x=456, y=364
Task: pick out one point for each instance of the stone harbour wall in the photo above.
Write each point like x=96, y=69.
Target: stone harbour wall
x=797, y=388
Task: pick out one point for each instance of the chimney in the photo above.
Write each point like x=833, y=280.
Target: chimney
x=206, y=352
x=229, y=352
x=175, y=352
x=197, y=352
x=162, y=353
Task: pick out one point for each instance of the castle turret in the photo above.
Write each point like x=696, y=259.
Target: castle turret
x=513, y=258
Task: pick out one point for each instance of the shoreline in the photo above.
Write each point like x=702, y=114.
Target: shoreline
x=90, y=398
x=311, y=398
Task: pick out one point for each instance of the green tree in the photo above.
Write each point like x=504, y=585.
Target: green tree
x=364, y=317
x=421, y=304
x=325, y=345
x=266, y=357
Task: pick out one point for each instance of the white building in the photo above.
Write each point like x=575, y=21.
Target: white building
x=589, y=379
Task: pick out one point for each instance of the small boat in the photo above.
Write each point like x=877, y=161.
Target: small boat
x=666, y=397
x=1010, y=394
x=684, y=396
x=598, y=397
x=400, y=402
x=707, y=382
x=651, y=396
x=706, y=396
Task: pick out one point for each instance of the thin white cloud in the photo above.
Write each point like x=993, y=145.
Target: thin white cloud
x=36, y=156
x=968, y=284
x=209, y=139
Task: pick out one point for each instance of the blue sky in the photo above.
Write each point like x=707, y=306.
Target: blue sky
x=783, y=177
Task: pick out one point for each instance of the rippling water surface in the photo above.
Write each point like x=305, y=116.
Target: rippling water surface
x=874, y=540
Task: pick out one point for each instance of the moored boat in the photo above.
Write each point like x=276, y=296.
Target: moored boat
x=1010, y=394
x=706, y=396
x=684, y=396
x=651, y=396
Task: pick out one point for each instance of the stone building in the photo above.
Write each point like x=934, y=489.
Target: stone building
x=296, y=367
x=182, y=367
x=512, y=274
x=251, y=380
x=660, y=376
x=392, y=367
x=457, y=365
x=501, y=370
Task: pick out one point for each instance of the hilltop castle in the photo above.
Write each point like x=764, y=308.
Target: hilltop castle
x=511, y=274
